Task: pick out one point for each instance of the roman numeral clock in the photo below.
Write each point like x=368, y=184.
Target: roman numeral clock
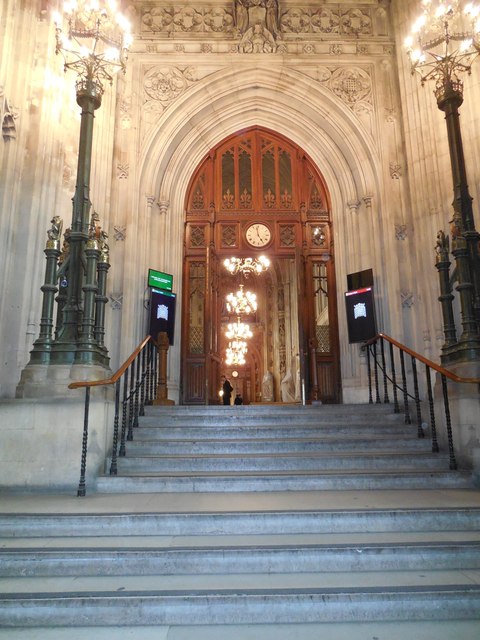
x=258, y=235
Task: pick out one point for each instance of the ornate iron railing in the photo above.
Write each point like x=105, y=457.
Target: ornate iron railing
x=408, y=388
x=136, y=384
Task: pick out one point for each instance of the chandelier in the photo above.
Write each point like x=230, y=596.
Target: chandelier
x=242, y=302
x=238, y=331
x=444, y=42
x=247, y=266
x=235, y=352
x=93, y=37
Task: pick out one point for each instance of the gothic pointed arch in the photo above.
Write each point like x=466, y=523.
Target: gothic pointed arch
x=258, y=180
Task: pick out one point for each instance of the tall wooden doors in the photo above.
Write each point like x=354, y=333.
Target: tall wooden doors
x=258, y=194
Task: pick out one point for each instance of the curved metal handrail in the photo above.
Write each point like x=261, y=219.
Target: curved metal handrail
x=433, y=365
x=118, y=374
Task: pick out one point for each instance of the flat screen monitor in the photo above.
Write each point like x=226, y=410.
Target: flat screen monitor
x=160, y=280
x=360, y=279
x=360, y=315
x=162, y=314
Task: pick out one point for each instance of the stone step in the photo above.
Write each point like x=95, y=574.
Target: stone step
x=31, y=525
x=222, y=559
x=280, y=481
x=300, y=461
x=149, y=430
x=240, y=605
x=307, y=445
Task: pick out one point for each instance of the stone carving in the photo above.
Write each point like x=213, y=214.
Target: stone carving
x=351, y=85
x=309, y=49
x=336, y=49
x=287, y=387
x=267, y=387
x=162, y=85
x=122, y=170
x=156, y=19
x=401, y=231
x=368, y=201
x=248, y=13
x=116, y=301
x=390, y=114
x=395, y=170
x=66, y=175
x=407, y=298
x=257, y=22
x=119, y=233
x=163, y=205
x=8, y=115
x=355, y=22
x=186, y=19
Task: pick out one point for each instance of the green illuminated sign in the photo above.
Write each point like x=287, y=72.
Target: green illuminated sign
x=160, y=280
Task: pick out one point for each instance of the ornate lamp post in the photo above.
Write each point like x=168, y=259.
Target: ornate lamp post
x=444, y=42
x=93, y=37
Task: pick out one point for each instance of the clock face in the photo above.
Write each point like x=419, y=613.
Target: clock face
x=258, y=235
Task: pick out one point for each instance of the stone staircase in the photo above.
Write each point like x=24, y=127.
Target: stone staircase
x=273, y=515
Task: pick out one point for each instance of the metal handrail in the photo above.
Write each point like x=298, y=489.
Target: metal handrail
x=371, y=347
x=140, y=378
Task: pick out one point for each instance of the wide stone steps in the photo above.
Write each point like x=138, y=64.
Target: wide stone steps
x=160, y=546
x=208, y=577
x=276, y=448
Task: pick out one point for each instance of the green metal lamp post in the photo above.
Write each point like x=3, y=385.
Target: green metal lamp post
x=443, y=44
x=93, y=38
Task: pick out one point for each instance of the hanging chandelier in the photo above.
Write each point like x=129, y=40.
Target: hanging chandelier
x=242, y=302
x=238, y=331
x=247, y=266
x=235, y=356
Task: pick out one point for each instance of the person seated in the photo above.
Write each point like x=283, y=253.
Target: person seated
x=238, y=399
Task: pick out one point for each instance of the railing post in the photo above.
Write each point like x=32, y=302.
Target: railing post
x=405, y=391
x=453, y=462
x=130, y=402
x=396, y=408
x=432, y=411
x=417, y=399
x=369, y=370
x=385, y=389
x=113, y=465
x=143, y=383
x=124, y=414
x=138, y=382
x=375, y=364
x=83, y=465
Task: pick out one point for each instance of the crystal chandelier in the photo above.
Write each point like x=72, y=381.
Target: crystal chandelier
x=242, y=302
x=247, y=266
x=238, y=331
x=235, y=352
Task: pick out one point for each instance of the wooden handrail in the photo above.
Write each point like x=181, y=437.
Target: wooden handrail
x=429, y=363
x=116, y=375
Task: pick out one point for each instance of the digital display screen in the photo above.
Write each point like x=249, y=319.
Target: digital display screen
x=160, y=280
x=360, y=315
x=162, y=314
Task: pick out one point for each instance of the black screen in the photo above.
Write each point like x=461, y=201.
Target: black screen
x=360, y=315
x=162, y=314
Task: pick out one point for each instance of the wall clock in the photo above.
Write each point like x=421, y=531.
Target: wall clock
x=258, y=235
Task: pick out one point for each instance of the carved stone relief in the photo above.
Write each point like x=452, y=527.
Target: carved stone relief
x=407, y=298
x=122, y=170
x=116, y=301
x=395, y=170
x=401, y=231
x=162, y=85
x=8, y=115
x=119, y=233
x=324, y=20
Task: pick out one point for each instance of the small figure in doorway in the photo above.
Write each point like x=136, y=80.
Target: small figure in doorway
x=238, y=399
x=227, y=390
